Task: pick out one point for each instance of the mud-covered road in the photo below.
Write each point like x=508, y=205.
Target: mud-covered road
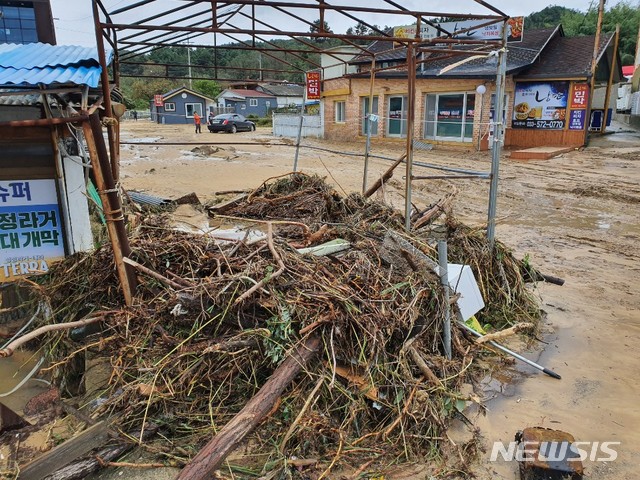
x=576, y=216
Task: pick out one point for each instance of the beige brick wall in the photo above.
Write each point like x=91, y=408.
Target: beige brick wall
x=351, y=91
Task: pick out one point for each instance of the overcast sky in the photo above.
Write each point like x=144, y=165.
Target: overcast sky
x=74, y=21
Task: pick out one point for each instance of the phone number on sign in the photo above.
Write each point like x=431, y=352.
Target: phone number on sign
x=544, y=124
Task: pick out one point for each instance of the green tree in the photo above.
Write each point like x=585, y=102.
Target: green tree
x=208, y=88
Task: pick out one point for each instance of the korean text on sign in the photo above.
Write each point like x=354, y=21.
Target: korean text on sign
x=313, y=85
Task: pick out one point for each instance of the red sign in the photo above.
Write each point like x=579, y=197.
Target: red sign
x=579, y=96
x=158, y=101
x=313, y=85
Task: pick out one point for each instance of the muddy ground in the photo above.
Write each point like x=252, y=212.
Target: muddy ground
x=576, y=217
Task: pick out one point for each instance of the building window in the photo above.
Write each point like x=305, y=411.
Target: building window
x=253, y=102
x=450, y=116
x=340, y=112
x=169, y=107
x=18, y=24
x=364, y=109
x=191, y=108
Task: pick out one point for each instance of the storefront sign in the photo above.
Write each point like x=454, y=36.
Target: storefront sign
x=30, y=227
x=158, y=101
x=313, y=85
x=576, y=119
x=515, y=28
x=540, y=105
x=579, y=96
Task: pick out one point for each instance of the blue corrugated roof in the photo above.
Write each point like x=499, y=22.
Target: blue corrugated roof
x=40, y=63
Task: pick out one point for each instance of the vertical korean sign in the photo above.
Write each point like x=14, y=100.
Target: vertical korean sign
x=158, y=101
x=313, y=85
x=30, y=227
x=579, y=101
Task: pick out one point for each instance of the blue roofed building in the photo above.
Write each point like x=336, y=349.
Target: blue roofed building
x=177, y=106
x=46, y=92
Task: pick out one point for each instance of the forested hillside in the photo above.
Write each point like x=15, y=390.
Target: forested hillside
x=241, y=62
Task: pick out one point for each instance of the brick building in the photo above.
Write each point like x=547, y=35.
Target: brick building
x=449, y=109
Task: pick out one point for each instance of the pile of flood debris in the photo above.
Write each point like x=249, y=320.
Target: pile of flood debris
x=215, y=318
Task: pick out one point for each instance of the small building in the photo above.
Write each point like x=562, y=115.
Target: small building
x=247, y=102
x=548, y=75
x=178, y=106
x=44, y=211
x=287, y=94
x=335, y=61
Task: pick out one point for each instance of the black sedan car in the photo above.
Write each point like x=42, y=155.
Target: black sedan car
x=230, y=123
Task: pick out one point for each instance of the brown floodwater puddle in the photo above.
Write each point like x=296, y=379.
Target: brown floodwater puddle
x=13, y=370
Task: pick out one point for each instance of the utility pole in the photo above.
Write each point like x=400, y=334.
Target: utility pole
x=594, y=62
x=189, y=62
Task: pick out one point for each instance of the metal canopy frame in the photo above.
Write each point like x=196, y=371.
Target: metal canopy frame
x=148, y=25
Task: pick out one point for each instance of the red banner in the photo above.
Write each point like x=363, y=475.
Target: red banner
x=158, y=101
x=579, y=96
x=313, y=85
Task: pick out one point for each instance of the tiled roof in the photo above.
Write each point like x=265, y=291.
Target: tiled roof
x=40, y=63
x=568, y=55
x=520, y=55
x=175, y=91
x=247, y=93
x=284, y=90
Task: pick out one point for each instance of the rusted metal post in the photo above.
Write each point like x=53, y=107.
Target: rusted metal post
x=114, y=148
x=594, y=67
x=369, y=123
x=612, y=71
x=411, y=113
x=113, y=212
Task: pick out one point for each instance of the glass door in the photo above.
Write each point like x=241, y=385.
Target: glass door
x=365, y=112
x=397, y=121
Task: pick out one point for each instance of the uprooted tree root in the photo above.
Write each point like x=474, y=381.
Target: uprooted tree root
x=188, y=359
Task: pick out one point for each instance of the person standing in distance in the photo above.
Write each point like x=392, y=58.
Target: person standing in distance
x=196, y=120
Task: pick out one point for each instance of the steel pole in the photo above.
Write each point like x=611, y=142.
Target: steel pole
x=444, y=281
x=411, y=99
x=295, y=159
x=498, y=138
x=367, y=147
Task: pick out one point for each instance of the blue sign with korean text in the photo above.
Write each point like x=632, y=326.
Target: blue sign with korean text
x=577, y=119
x=30, y=227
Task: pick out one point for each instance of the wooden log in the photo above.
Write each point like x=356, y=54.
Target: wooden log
x=384, y=178
x=153, y=274
x=507, y=332
x=83, y=467
x=213, y=454
x=58, y=457
x=438, y=209
x=111, y=202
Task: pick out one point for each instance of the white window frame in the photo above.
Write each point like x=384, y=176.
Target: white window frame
x=199, y=109
x=340, y=108
x=462, y=138
x=253, y=102
x=170, y=107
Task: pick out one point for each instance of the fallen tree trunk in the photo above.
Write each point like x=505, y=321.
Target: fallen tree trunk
x=81, y=468
x=438, y=209
x=213, y=454
x=385, y=177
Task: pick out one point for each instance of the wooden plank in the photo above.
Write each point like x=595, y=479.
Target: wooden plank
x=65, y=453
